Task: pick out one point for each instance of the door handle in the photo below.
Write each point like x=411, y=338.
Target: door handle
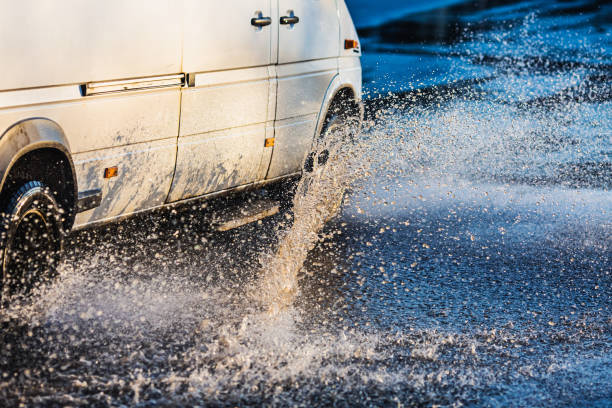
x=261, y=21
x=284, y=20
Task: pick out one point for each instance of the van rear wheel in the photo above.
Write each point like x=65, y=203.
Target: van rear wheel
x=31, y=239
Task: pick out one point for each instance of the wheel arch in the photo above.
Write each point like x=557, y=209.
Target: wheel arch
x=37, y=148
x=339, y=94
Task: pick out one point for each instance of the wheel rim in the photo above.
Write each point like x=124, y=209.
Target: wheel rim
x=29, y=253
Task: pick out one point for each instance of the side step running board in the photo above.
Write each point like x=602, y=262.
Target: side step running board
x=234, y=218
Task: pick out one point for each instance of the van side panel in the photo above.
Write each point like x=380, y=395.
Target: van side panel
x=100, y=122
x=314, y=36
x=225, y=111
x=106, y=73
x=51, y=42
x=122, y=130
x=144, y=176
x=219, y=35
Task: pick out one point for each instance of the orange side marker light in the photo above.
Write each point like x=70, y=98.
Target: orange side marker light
x=110, y=172
x=350, y=44
x=269, y=142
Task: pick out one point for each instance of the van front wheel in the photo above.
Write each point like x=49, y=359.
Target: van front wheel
x=31, y=239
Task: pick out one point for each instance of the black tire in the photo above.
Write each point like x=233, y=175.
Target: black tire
x=31, y=240
x=334, y=123
x=339, y=127
x=331, y=123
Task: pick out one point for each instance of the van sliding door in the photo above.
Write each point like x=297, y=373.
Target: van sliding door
x=226, y=111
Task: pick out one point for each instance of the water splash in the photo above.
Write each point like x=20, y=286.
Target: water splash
x=318, y=198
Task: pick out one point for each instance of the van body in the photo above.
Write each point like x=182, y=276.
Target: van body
x=137, y=104
x=110, y=108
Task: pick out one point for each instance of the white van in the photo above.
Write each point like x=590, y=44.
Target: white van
x=110, y=108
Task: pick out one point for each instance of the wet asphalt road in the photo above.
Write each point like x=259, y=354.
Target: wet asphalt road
x=471, y=267
x=447, y=303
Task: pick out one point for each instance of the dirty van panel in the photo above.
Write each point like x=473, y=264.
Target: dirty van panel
x=141, y=178
x=87, y=40
x=133, y=130
x=118, y=64
x=228, y=108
